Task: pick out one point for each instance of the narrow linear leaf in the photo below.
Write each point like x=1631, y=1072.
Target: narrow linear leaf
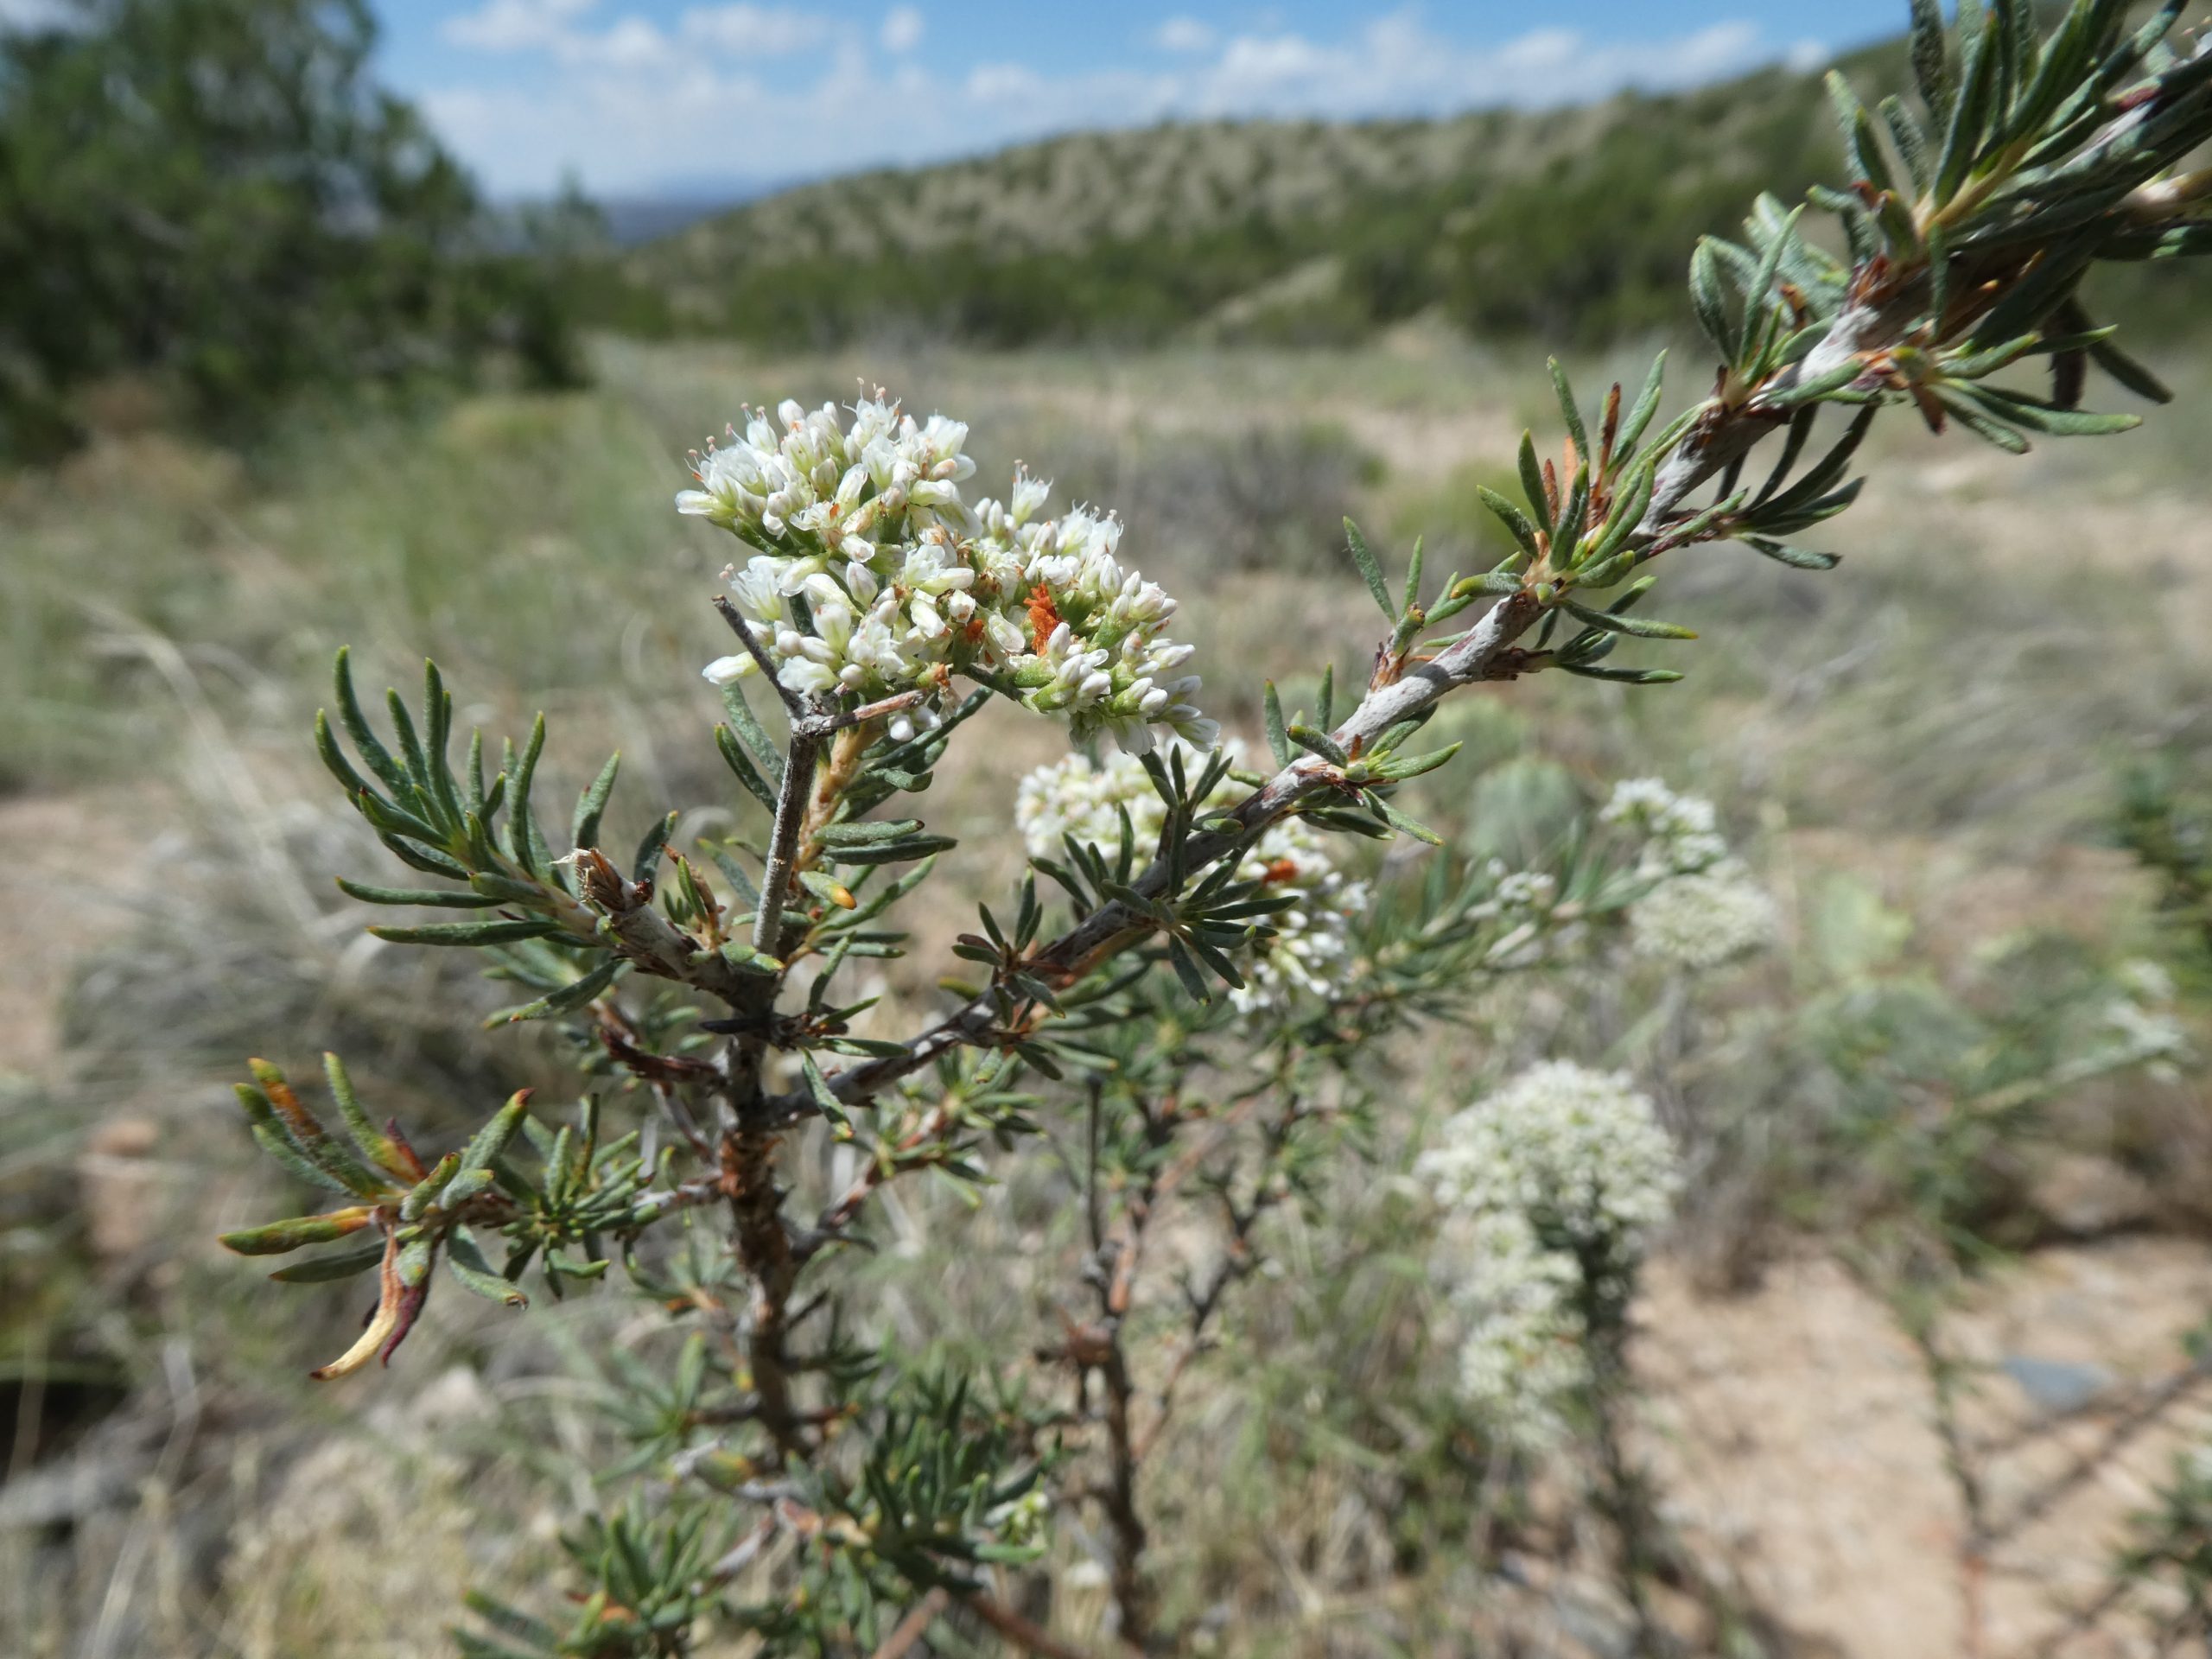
x=579, y=993
x=762, y=746
x=324, y=1269
x=1931, y=57
x=825, y=1097
x=465, y=1262
x=1642, y=627
x=1369, y=570
x=471, y=933
x=1647, y=406
x=584, y=823
x=2130, y=373
x=1399, y=822
x=378, y=1147
x=1798, y=558
x=1623, y=675
x=1278, y=734
x=1516, y=521
x=1532, y=483
x=650, y=848
x=1569, y=411
x=282, y=1238
x=433, y=898
x=895, y=852
x=1709, y=303
x=366, y=742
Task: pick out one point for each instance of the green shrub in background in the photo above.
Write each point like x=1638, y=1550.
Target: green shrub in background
x=213, y=195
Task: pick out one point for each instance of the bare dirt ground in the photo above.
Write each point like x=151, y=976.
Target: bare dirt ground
x=1797, y=1440
x=64, y=864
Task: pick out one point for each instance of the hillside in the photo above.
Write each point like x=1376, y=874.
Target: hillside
x=1299, y=231
x=1569, y=226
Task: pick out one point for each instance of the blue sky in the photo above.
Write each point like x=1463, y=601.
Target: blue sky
x=640, y=96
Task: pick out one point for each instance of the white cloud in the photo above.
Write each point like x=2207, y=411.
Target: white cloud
x=1003, y=83
x=629, y=104
x=1807, y=56
x=516, y=25
x=755, y=31
x=632, y=41
x=902, y=28
x=1540, y=48
x=1184, y=35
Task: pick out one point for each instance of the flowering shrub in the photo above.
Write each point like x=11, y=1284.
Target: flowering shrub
x=1558, y=1180
x=1199, y=988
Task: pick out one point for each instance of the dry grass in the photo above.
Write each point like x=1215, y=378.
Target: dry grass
x=1936, y=723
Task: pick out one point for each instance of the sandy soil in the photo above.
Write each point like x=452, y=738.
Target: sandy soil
x=1795, y=1435
x=65, y=866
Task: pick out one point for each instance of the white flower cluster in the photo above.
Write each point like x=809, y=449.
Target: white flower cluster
x=1312, y=948
x=1522, y=1355
x=1580, y=1153
x=1702, y=920
x=1021, y=1520
x=2141, y=1019
x=1561, y=1168
x=1519, y=891
x=1704, y=907
x=870, y=574
x=1682, y=831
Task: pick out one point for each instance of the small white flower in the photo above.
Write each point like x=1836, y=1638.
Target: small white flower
x=1085, y=1574
x=2145, y=981
x=2147, y=1033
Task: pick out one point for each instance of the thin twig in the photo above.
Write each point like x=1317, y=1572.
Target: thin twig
x=875, y=710
x=2145, y=1413
x=1723, y=433
x=1236, y=1263
x=1024, y=1633
x=2084, y=1618
x=2106, y=1403
x=783, y=847
x=1481, y=654
x=836, y=1218
x=791, y=700
x=819, y=721
x=912, y=1628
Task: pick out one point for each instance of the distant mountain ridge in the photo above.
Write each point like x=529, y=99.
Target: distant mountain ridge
x=631, y=221
x=1576, y=224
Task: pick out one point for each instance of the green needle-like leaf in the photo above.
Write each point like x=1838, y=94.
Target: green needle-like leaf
x=1369, y=571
